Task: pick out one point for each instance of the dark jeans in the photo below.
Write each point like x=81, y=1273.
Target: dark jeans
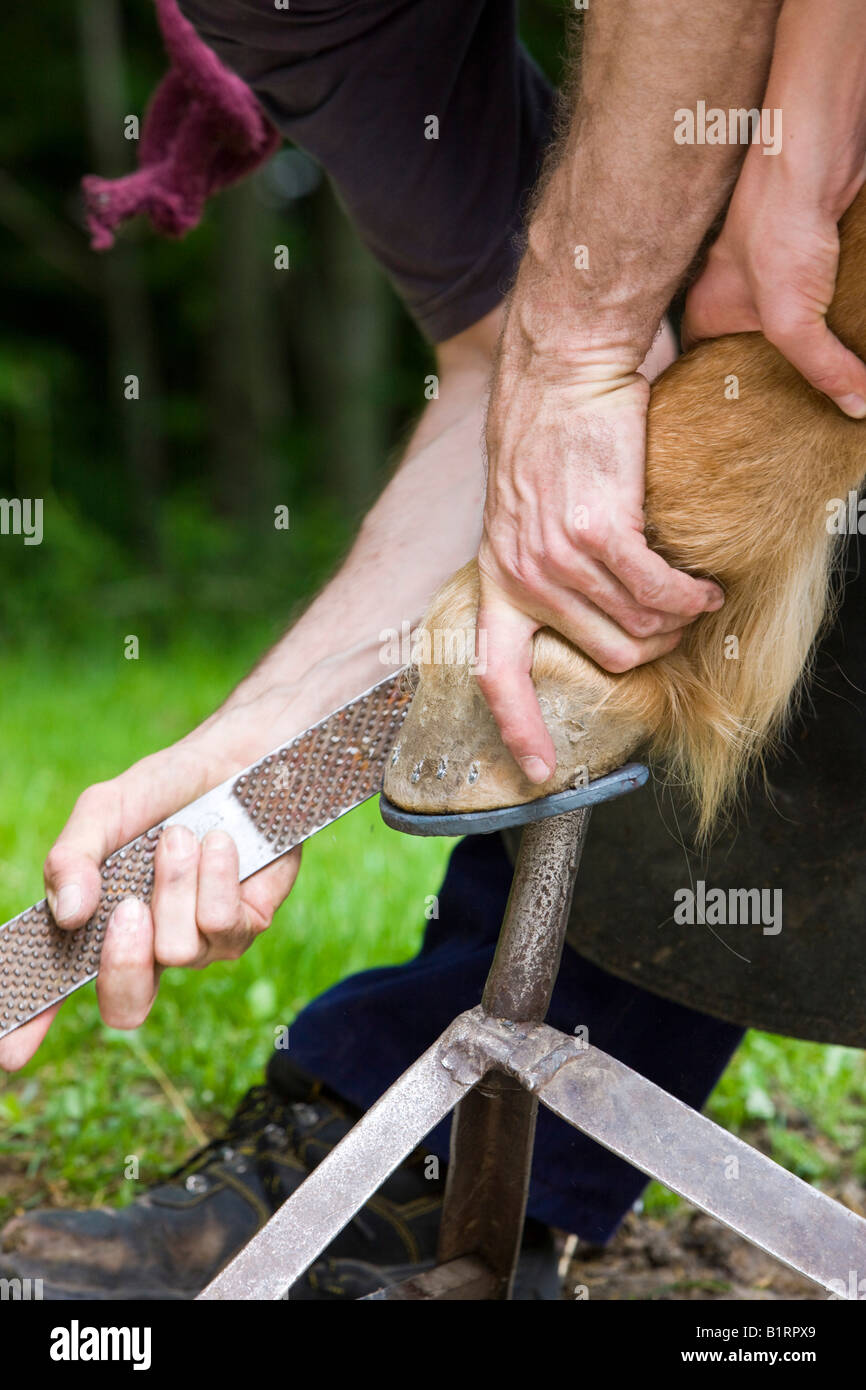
x=360, y=1035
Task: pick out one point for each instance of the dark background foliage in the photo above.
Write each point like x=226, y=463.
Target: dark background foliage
x=258, y=387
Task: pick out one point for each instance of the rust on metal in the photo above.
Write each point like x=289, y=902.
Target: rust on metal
x=493, y=1135
x=529, y=949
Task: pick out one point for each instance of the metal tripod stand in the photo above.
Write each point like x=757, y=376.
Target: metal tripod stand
x=494, y=1063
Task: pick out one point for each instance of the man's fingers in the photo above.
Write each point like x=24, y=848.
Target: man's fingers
x=175, y=889
x=587, y=578
x=262, y=894
x=614, y=651
x=221, y=915
x=231, y=914
x=817, y=353
x=126, y=983
x=108, y=815
x=655, y=584
x=506, y=680
x=507, y=687
x=20, y=1046
x=219, y=892
x=73, y=884
x=596, y=634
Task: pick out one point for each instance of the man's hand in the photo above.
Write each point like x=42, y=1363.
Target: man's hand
x=774, y=266
x=199, y=912
x=564, y=543
x=622, y=210
x=773, y=269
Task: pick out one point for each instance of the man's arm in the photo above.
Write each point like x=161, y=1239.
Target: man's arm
x=619, y=219
x=774, y=265
x=425, y=525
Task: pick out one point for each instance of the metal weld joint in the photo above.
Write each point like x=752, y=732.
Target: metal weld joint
x=533, y=1053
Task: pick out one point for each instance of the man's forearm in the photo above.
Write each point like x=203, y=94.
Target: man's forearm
x=425, y=525
x=818, y=80
x=623, y=210
x=774, y=267
x=622, y=187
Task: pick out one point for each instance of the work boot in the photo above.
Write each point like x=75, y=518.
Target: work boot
x=171, y=1241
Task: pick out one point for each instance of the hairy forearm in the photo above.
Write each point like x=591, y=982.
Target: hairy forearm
x=622, y=187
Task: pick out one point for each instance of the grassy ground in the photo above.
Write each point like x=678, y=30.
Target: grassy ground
x=93, y=1097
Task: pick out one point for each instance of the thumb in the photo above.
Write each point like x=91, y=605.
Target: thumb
x=719, y=302
x=17, y=1048
x=506, y=683
x=826, y=364
x=108, y=815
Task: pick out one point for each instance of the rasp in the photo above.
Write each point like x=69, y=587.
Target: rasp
x=268, y=808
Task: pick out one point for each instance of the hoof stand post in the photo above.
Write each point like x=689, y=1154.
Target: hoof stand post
x=494, y=1064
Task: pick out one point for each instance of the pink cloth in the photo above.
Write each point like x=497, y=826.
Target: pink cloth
x=203, y=130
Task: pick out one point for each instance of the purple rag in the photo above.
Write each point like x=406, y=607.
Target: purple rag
x=204, y=129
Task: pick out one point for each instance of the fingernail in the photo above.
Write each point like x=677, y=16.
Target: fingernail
x=716, y=601
x=68, y=902
x=853, y=405
x=218, y=840
x=127, y=914
x=536, y=769
x=179, y=841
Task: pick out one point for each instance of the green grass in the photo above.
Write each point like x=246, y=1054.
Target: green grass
x=802, y=1103
x=93, y=1097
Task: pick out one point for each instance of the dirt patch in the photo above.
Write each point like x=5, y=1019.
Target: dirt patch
x=19, y=1190
x=683, y=1256
x=679, y=1255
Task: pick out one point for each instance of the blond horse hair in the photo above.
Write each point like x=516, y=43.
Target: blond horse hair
x=743, y=459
